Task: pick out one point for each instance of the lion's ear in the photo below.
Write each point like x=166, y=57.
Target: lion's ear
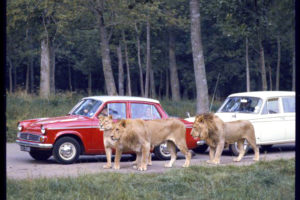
x=109, y=116
x=123, y=123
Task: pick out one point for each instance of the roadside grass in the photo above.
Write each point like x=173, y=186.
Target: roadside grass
x=21, y=106
x=263, y=180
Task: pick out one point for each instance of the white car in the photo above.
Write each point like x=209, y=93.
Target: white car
x=272, y=114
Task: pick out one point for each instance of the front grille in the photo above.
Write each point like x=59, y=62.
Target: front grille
x=30, y=137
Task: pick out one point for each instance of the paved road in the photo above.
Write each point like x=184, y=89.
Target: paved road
x=19, y=165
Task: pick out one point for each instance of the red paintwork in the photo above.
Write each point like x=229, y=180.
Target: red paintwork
x=86, y=129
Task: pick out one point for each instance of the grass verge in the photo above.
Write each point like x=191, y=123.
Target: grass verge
x=263, y=180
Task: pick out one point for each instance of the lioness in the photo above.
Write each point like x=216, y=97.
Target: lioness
x=131, y=134
x=159, y=131
x=216, y=133
x=105, y=123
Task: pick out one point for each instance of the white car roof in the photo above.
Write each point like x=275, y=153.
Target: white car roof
x=121, y=98
x=264, y=94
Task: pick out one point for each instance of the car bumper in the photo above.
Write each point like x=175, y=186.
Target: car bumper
x=33, y=144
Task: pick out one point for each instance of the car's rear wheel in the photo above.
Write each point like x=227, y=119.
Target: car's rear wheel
x=66, y=150
x=41, y=155
x=161, y=152
x=234, y=148
x=201, y=148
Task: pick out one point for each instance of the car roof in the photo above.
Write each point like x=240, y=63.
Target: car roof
x=121, y=98
x=264, y=94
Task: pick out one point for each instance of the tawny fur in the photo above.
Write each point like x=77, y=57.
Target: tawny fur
x=217, y=133
x=131, y=134
x=106, y=123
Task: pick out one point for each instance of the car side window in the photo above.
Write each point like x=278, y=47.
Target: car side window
x=288, y=104
x=271, y=107
x=116, y=110
x=144, y=111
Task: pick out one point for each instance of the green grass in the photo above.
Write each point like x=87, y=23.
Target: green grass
x=21, y=106
x=263, y=180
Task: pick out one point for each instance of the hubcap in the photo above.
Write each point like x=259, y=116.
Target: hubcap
x=164, y=150
x=245, y=145
x=67, y=151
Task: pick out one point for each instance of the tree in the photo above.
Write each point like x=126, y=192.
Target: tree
x=198, y=59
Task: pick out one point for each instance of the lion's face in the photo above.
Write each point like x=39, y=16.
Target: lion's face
x=200, y=129
x=118, y=129
x=105, y=123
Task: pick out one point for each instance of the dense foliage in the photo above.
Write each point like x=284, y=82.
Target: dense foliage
x=72, y=29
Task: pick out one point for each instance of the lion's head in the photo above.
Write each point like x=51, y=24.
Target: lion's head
x=203, y=125
x=118, y=129
x=105, y=122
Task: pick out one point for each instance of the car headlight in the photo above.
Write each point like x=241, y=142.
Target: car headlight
x=20, y=127
x=43, y=130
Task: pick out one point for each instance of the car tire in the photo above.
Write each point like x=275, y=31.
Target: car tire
x=200, y=149
x=161, y=152
x=233, y=148
x=40, y=155
x=266, y=147
x=66, y=150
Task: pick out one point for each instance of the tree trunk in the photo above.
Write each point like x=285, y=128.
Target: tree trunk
x=90, y=83
x=270, y=77
x=148, y=58
x=173, y=69
x=10, y=75
x=167, y=84
x=247, y=67
x=52, y=69
x=198, y=59
x=45, y=69
x=160, y=85
x=127, y=66
x=294, y=72
x=152, y=83
x=139, y=61
x=105, y=54
x=70, y=77
x=262, y=65
x=121, y=71
x=278, y=63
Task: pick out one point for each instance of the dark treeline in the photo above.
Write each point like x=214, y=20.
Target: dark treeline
x=144, y=48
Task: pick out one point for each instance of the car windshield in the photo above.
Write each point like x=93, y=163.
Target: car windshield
x=241, y=105
x=86, y=107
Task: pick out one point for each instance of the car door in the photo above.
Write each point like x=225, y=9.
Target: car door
x=288, y=105
x=270, y=126
x=118, y=111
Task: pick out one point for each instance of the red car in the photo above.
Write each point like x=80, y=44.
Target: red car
x=78, y=133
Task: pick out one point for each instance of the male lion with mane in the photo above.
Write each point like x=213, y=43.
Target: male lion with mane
x=106, y=123
x=217, y=133
x=156, y=132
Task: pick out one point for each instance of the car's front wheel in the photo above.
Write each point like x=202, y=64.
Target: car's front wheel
x=235, y=150
x=161, y=152
x=66, y=150
x=40, y=155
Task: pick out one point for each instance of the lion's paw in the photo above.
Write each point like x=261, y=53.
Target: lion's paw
x=116, y=167
x=213, y=162
x=168, y=165
x=236, y=160
x=106, y=166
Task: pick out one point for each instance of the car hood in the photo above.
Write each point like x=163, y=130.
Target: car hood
x=66, y=121
x=228, y=117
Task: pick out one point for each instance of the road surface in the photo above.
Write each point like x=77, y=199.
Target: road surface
x=19, y=164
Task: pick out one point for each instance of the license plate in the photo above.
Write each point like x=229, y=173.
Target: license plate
x=25, y=148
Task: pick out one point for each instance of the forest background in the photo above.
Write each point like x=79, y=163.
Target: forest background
x=150, y=47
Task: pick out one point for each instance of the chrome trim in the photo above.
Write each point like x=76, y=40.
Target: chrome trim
x=32, y=144
x=78, y=127
x=200, y=142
